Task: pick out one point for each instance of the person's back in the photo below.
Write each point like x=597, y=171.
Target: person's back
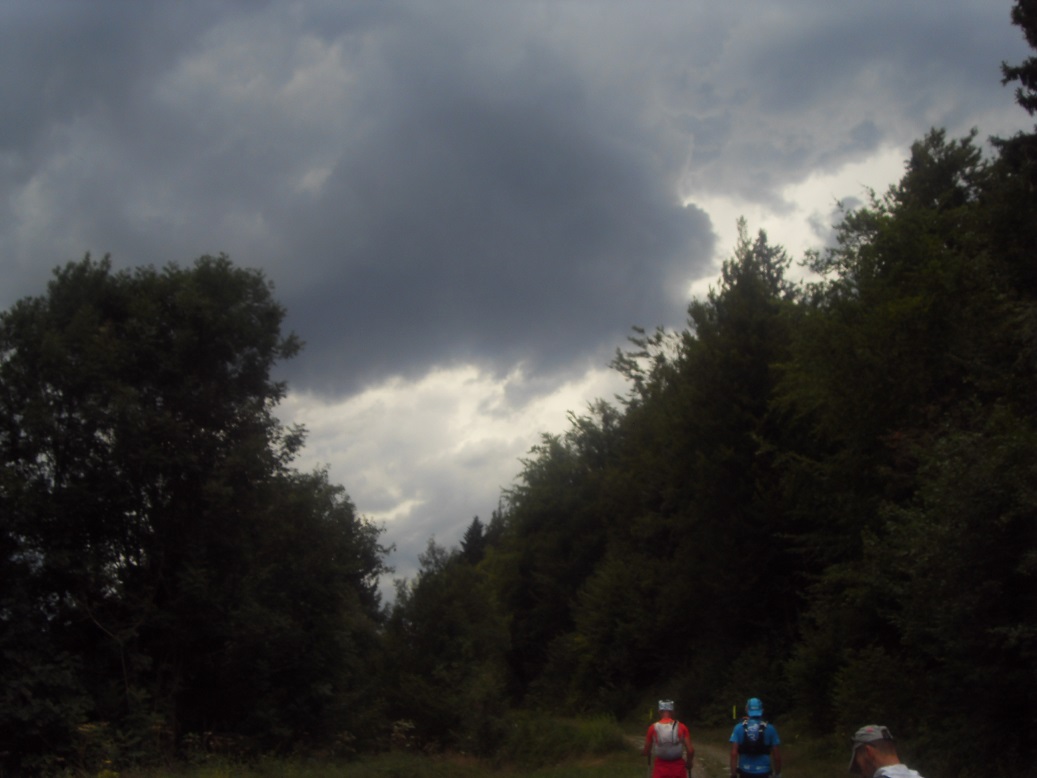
x=754, y=744
x=668, y=745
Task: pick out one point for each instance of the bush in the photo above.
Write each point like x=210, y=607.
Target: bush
x=534, y=740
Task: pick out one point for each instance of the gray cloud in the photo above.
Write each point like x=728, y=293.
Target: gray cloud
x=485, y=182
x=491, y=229
x=431, y=185
x=459, y=182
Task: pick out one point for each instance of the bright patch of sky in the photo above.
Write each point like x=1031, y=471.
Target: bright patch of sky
x=811, y=212
x=423, y=457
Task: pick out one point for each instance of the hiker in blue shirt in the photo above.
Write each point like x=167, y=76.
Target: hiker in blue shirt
x=754, y=744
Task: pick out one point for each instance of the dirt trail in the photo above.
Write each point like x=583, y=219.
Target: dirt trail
x=711, y=759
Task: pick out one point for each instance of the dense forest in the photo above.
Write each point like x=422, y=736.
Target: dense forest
x=819, y=492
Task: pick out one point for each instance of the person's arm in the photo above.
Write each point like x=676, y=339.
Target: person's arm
x=689, y=756
x=734, y=759
x=775, y=760
x=647, y=750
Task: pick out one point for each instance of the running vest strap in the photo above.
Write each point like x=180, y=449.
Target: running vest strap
x=667, y=744
x=754, y=743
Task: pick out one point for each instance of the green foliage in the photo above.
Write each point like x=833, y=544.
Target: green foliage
x=962, y=581
x=1024, y=15
x=448, y=637
x=396, y=764
x=944, y=533
x=166, y=571
x=473, y=544
x=557, y=520
x=534, y=740
x=819, y=494
x=598, y=664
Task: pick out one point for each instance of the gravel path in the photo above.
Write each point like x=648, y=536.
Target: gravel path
x=710, y=759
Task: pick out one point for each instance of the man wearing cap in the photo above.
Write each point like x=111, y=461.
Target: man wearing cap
x=670, y=743
x=754, y=744
x=875, y=755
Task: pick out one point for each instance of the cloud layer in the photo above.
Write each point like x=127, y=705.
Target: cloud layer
x=435, y=189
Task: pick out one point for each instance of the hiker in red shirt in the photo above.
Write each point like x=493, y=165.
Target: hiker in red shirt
x=670, y=743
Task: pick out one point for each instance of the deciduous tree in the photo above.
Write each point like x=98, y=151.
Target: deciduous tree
x=170, y=572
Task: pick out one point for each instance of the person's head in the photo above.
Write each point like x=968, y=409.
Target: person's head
x=666, y=707
x=873, y=747
x=753, y=707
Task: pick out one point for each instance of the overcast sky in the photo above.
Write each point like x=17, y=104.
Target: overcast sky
x=465, y=206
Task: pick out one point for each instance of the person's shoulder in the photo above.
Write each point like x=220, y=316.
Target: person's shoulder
x=898, y=771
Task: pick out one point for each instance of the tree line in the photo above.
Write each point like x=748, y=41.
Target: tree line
x=822, y=493
x=167, y=574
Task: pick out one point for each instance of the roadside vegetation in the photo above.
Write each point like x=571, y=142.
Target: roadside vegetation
x=612, y=752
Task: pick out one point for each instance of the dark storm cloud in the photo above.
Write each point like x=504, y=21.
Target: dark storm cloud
x=496, y=220
x=430, y=184
x=84, y=157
